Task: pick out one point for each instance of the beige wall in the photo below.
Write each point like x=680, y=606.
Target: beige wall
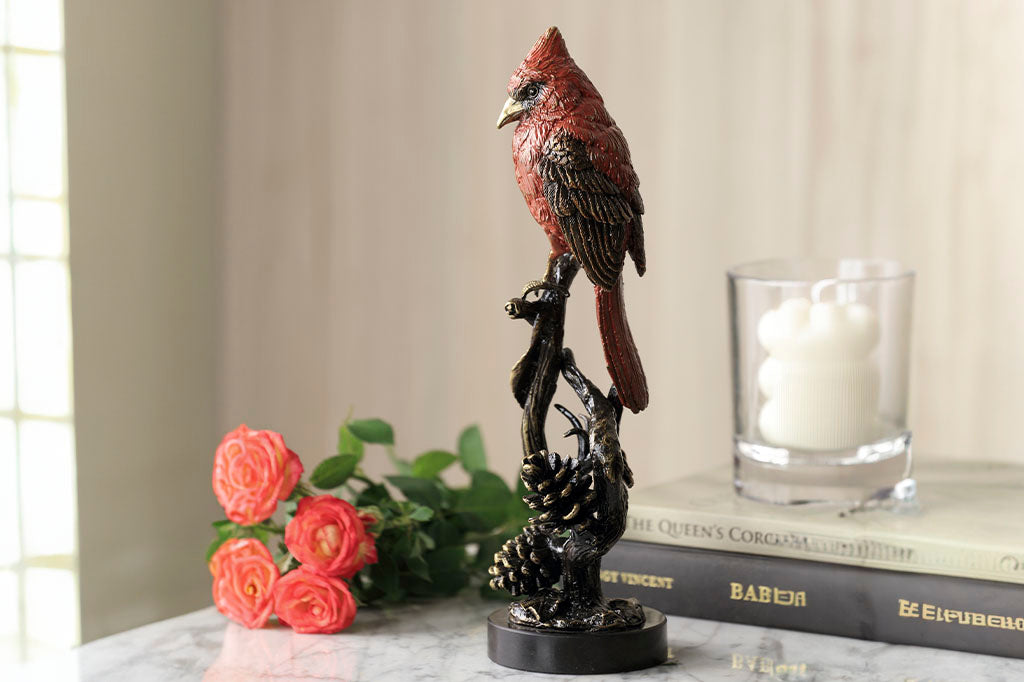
x=373, y=230
x=142, y=124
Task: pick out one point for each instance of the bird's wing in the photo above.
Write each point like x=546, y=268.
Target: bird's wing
x=593, y=212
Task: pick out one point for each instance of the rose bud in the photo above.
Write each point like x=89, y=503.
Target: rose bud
x=310, y=602
x=252, y=470
x=244, y=576
x=330, y=536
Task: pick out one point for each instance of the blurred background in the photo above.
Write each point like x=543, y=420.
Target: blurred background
x=278, y=212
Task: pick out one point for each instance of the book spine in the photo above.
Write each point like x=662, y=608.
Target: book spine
x=979, y=616
x=770, y=537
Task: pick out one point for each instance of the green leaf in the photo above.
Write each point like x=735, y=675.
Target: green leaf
x=448, y=496
x=334, y=471
x=405, y=546
x=372, y=431
x=445, y=533
x=376, y=494
x=447, y=569
x=487, y=499
x=430, y=464
x=521, y=490
x=214, y=546
x=348, y=444
x=426, y=540
x=517, y=513
x=226, y=529
x=403, y=467
x=471, y=450
x=421, y=490
x=384, y=575
x=418, y=567
x=422, y=514
x=363, y=589
x=486, y=550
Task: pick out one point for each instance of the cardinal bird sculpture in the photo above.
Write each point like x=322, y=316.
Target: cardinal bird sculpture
x=573, y=168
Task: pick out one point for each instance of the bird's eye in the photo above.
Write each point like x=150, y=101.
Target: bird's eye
x=531, y=91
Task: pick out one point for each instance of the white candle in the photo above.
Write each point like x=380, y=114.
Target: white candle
x=819, y=383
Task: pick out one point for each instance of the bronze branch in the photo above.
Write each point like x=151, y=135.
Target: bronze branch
x=554, y=564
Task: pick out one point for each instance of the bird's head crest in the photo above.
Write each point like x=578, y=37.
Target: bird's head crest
x=548, y=48
x=548, y=83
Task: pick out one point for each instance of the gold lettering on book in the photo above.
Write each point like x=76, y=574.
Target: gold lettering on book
x=818, y=544
x=767, y=594
x=765, y=665
x=658, y=582
x=720, y=536
x=939, y=614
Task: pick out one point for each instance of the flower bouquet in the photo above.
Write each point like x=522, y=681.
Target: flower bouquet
x=357, y=542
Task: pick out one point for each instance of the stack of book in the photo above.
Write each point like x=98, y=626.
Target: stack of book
x=947, y=571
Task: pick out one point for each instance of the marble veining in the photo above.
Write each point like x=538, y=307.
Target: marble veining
x=447, y=641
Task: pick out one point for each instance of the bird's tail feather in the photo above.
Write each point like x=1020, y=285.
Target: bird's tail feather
x=619, y=349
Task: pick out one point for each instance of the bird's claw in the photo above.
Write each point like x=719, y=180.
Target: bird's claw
x=541, y=285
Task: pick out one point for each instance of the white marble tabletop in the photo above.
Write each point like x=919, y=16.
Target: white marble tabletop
x=447, y=640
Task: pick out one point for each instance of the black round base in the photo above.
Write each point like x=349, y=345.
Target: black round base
x=580, y=653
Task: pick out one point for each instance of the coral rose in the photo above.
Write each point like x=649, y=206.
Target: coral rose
x=252, y=470
x=244, y=576
x=330, y=537
x=310, y=602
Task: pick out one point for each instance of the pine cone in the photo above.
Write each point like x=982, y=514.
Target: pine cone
x=561, y=490
x=525, y=564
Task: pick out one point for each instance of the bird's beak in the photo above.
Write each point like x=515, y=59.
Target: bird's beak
x=512, y=111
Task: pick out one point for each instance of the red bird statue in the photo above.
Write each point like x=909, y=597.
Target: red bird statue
x=573, y=168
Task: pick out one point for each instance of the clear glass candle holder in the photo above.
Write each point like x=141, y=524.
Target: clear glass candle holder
x=820, y=360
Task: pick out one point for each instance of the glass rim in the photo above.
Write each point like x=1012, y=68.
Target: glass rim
x=736, y=271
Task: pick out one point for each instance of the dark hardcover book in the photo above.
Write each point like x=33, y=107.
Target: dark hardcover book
x=979, y=616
